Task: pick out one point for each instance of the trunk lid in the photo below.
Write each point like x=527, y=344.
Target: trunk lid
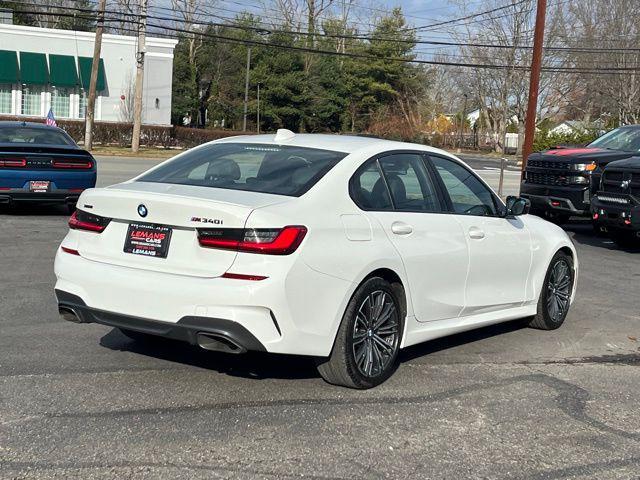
x=183, y=208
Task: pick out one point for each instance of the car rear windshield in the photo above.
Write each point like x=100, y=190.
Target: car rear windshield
x=274, y=169
x=624, y=138
x=36, y=136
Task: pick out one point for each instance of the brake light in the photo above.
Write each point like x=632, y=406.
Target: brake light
x=72, y=163
x=81, y=220
x=70, y=251
x=13, y=162
x=268, y=241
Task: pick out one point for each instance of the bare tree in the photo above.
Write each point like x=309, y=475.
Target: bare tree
x=120, y=20
x=501, y=42
x=610, y=25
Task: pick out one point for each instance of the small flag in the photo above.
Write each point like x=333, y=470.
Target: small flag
x=51, y=120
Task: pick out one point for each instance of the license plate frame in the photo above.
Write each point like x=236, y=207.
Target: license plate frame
x=39, y=186
x=148, y=239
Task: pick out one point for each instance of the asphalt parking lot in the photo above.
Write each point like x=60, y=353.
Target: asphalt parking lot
x=83, y=401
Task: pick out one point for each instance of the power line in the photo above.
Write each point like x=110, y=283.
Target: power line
x=471, y=16
x=226, y=39
x=374, y=38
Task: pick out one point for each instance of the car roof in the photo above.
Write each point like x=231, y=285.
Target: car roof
x=337, y=143
x=14, y=124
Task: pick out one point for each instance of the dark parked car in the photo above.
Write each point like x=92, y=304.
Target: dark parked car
x=616, y=206
x=562, y=181
x=41, y=163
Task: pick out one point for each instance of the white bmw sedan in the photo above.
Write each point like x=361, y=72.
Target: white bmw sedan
x=342, y=248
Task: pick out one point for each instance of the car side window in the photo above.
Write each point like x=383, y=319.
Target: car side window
x=469, y=196
x=409, y=183
x=368, y=189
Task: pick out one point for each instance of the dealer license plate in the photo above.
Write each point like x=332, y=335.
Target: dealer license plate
x=147, y=239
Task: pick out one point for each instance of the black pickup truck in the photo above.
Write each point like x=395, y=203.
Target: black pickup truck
x=616, y=206
x=561, y=182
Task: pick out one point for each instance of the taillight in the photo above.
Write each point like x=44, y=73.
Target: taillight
x=72, y=163
x=13, y=162
x=269, y=241
x=81, y=220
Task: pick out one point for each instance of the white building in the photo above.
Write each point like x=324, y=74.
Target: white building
x=42, y=68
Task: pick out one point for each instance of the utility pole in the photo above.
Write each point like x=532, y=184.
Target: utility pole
x=534, y=82
x=258, y=119
x=462, y=119
x=137, y=101
x=246, y=90
x=91, y=99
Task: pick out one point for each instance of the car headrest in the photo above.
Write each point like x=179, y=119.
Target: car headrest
x=224, y=168
x=273, y=166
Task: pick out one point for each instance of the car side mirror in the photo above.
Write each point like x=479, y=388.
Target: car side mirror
x=517, y=206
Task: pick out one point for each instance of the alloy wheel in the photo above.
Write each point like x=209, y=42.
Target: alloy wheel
x=375, y=333
x=559, y=290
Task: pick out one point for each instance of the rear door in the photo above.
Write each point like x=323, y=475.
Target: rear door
x=499, y=247
x=398, y=191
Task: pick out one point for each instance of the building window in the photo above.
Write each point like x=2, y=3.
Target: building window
x=82, y=103
x=61, y=102
x=5, y=98
x=32, y=100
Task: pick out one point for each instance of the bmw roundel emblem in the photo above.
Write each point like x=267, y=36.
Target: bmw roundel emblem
x=142, y=210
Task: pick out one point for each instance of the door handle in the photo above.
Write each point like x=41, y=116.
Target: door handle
x=476, y=233
x=401, y=228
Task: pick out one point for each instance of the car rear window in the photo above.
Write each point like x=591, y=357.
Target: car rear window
x=36, y=136
x=281, y=170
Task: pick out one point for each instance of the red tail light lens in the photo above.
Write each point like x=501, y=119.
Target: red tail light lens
x=268, y=241
x=241, y=276
x=13, y=162
x=70, y=251
x=72, y=163
x=81, y=220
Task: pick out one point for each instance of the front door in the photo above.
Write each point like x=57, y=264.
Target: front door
x=499, y=247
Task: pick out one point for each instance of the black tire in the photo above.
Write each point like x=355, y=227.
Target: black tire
x=548, y=317
x=137, y=337
x=624, y=238
x=381, y=344
x=71, y=207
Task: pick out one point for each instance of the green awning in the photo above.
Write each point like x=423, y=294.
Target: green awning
x=85, y=73
x=63, y=71
x=33, y=68
x=8, y=67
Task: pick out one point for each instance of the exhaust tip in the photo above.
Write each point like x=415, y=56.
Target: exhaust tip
x=218, y=343
x=69, y=314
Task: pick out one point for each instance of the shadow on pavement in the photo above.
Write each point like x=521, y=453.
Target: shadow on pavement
x=584, y=234
x=254, y=365
x=460, y=339
x=260, y=366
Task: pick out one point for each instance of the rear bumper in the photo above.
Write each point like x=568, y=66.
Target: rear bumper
x=188, y=329
x=624, y=217
x=296, y=311
x=58, y=196
x=563, y=200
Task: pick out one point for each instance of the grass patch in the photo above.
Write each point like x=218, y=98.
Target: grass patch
x=146, y=152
